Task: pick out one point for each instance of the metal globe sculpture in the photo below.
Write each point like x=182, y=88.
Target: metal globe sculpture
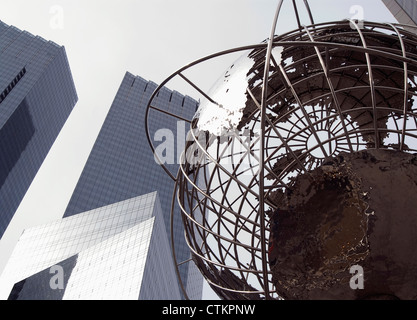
x=301, y=164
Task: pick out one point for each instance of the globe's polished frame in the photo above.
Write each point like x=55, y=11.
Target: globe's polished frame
x=366, y=73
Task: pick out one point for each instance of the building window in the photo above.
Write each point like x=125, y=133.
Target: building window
x=12, y=84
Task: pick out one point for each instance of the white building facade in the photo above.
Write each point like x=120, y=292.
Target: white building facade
x=114, y=252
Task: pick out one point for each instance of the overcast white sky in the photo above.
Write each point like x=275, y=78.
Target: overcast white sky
x=152, y=39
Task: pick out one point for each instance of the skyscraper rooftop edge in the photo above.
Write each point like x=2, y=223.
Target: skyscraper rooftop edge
x=6, y=26
x=154, y=85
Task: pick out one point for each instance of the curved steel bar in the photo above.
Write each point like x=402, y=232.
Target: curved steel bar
x=221, y=263
x=251, y=47
x=386, y=54
x=330, y=84
x=277, y=132
x=174, y=256
x=298, y=16
x=237, y=291
x=178, y=72
x=309, y=11
x=297, y=98
x=207, y=195
x=218, y=165
x=371, y=83
x=405, y=87
x=225, y=195
x=262, y=148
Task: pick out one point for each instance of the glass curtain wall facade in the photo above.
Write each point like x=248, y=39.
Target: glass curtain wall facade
x=405, y=11
x=121, y=164
x=37, y=94
x=114, y=252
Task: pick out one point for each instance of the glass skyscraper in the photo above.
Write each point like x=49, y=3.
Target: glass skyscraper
x=116, y=252
x=405, y=11
x=121, y=164
x=37, y=94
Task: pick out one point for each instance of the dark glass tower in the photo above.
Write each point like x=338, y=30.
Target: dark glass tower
x=37, y=94
x=121, y=164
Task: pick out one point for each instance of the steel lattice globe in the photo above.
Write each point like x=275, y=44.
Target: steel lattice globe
x=281, y=204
